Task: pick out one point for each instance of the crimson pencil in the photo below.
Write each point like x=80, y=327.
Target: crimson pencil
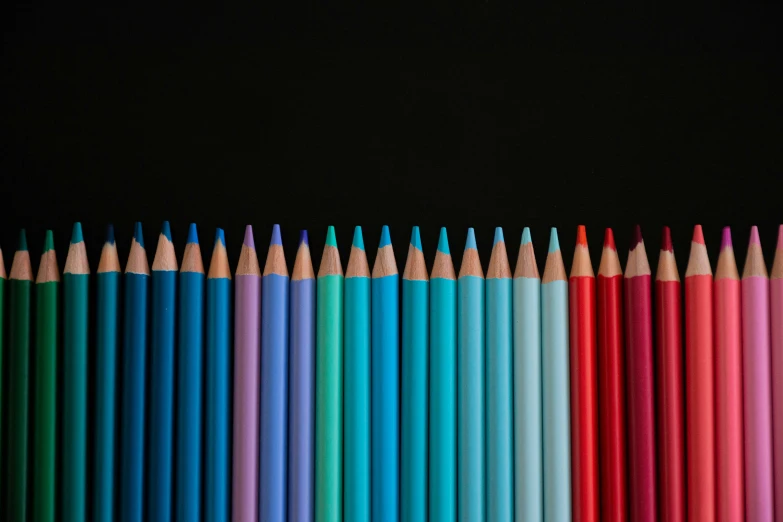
x=611, y=384
x=671, y=420
x=584, y=415
x=728, y=386
x=700, y=383
x=776, y=329
x=639, y=375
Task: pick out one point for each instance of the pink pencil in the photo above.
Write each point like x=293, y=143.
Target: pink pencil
x=776, y=307
x=758, y=392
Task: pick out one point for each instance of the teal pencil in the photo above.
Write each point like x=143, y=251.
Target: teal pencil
x=555, y=386
x=528, y=417
x=76, y=276
x=443, y=386
x=413, y=443
x=470, y=392
x=500, y=429
x=357, y=383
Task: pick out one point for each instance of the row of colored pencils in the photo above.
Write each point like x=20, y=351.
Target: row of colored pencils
x=506, y=397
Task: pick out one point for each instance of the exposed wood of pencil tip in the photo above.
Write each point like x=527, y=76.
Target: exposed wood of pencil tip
x=48, y=271
x=357, y=263
x=727, y=264
x=638, y=264
x=191, y=259
x=443, y=267
x=275, y=262
x=248, y=262
x=385, y=263
x=76, y=260
x=610, y=263
x=165, y=258
x=526, y=262
x=303, y=264
x=699, y=261
x=415, y=266
x=554, y=269
x=2, y=266
x=109, y=261
x=777, y=264
x=667, y=267
x=21, y=269
x=218, y=265
x=582, y=265
x=330, y=262
x=754, y=262
x=498, y=262
x=471, y=264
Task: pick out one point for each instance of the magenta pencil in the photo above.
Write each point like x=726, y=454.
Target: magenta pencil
x=776, y=308
x=758, y=393
x=247, y=320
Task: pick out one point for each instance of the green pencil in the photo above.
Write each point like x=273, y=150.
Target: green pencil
x=19, y=380
x=2, y=402
x=76, y=275
x=47, y=287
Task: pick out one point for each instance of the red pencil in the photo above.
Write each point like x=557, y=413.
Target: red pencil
x=700, y=383
x=639, y=376
x=668, y=321
x=728, y=386
x=611, y=387
x=584, y=415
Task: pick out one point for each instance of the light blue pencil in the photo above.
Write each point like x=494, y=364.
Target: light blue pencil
x=500, y=429
x=555, y=386
x=528, y=417
x=471, y=489
x=443, y=386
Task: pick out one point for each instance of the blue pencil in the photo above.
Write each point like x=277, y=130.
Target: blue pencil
x=443, y=386
x=189, y=377
x=500, y=429
x=413, y=443
x=357, y=383
x=471, y=480
x=528, y=416
x=385, y=408
x=555, y=386
x=274, y=384
x=217, y=462
x=161, y=422
x=106, y=319
x=137, y=275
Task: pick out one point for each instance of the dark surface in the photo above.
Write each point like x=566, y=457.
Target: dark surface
x=467, y=117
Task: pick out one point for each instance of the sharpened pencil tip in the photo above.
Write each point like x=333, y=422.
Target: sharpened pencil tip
x=498, y=236
x=220, y=237
x=303, y=237
x=276, y=237
x=636, y=238
x=609, y=239
x=248, y=241
x=526, y=236
x=385, y=237
x=698, y=235
x=48, y=241
x=358, y=238
x=754, y=235
x=470, y=242
x=76, y=234
x=443, y=242
x=138, y=235
x=110, y=234
x=166, y=230
x=581, y=235
x=331, y=238
x=22, y=240
x=554, y=242
x=192, y=234
x=416, y=238
x=666, y=239
x=780, y=237
x=725, y=240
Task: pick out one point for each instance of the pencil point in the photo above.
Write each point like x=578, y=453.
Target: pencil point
x=48, y=241
x=754, y=235
x=698, y=235
x=248, y=241
x=358, y=238
x=666, y=240
x=416, y=238
x=470, y=242
x=526, y=236
x=385, y=237
x=76, y=235
x=498, y=236
x=220, y=237
x=636, y=238
x=554, y=242
x=192, y=234
x=276, y=237
x=110, y=234
x=138, y=235
x=331, y=238
x=609, y=239
x=303, y=237
x=443, y=241
x=725, y=241
x=581, y=235
x=166, y=230
x=22, y=240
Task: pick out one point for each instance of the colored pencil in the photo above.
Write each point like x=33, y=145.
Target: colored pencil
x=328, y=384
x=443, y=386
x=3, y=396
x=555, y=387
x=189, y=377
x=107, y=282
x=776, y=325
x=500, y=384
x=639, y=376
x=528, y=416
x=76, y=275
x=163, y=320
x=756, y=381
x=20, y=281
x=730, y=495
x=217, y=457
x=47, y=289
x=301, y=419
x=247, y=347
x=700, y=389
x=273, y=423
x=611, y=384
x=137, y=275
x=385, y=374
x=413, y=442
x=584, y=399
x=357, y=383
x=671, y=416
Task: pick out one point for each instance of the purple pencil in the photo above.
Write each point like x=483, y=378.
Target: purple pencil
x=758, y=392
x=247, y=330
x=301, y=352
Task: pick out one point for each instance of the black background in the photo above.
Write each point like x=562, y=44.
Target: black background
x=476, y=116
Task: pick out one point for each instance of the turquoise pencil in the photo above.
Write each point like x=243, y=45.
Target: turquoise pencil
x=385, y=410
x=528, y=417
x=471, y=481
x=500, y=429
x=190, y=371
x=413, y=443
x=443, y=386
x=555, y=386
x=357, y=383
